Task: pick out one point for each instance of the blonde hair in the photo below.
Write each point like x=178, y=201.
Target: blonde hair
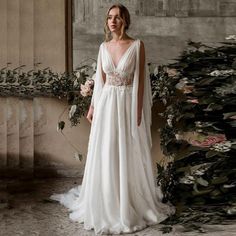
x=125, y=17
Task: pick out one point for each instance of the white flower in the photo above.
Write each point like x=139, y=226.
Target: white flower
x=222, y=72
x=199, y=130
x=231, y=211
x=231, y=37
x=77, y=74
x=83, y=70
x=178, y=137
x=229, y=72
x=187, y=180
x=94, y=65
x=222, y=147
x=198, y=172
x=76, y=83
x=72, y=111
x=83, y=93
x=172, y=72
x=215, y=73
x=169, y=122
x=93, y=77
x=155, y=72
x=229, y=185
x=182, y=83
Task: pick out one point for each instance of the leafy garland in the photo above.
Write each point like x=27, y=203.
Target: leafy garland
x=199, y=136
x=76, y=87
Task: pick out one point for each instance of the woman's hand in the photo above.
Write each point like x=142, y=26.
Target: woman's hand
x=90, y=114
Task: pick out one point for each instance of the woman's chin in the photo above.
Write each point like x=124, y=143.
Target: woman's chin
x=115, y=31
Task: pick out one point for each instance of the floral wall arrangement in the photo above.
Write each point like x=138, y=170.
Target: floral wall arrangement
x=199, y=136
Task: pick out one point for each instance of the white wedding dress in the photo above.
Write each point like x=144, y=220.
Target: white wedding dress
x=118, y=192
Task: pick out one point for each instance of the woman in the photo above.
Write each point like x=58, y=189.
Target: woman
x=118, y=192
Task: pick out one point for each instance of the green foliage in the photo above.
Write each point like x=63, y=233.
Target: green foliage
x=45, y=82
x=199, y=95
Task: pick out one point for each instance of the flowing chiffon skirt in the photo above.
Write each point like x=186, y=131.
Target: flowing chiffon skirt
x=118, y=192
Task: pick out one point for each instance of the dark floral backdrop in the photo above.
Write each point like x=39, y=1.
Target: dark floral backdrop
x=199, y=136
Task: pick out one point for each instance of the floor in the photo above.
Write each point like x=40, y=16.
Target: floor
x=25, y=209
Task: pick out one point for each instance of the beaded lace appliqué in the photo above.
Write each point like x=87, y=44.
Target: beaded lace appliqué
x=119, y=78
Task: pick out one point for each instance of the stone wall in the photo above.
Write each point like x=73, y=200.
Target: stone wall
x=163, y=25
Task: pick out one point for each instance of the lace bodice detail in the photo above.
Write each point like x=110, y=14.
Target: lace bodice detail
x=119, y=78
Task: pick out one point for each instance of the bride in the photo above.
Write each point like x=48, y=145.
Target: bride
x=118, y=192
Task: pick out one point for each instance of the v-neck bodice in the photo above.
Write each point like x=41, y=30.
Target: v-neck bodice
x=123, y=73
x=123, y=55
x=126, y=62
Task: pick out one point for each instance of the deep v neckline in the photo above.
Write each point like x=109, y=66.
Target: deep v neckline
x=126, y=51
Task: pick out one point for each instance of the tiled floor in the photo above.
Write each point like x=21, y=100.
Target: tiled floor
x=25, y=210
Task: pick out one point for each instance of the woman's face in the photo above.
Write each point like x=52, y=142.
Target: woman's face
x=114, y=21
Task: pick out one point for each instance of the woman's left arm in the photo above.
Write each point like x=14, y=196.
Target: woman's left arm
x=141, y=82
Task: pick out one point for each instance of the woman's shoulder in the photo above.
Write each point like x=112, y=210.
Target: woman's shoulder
x=139, y=42
x=102, y=43
x=132, y=40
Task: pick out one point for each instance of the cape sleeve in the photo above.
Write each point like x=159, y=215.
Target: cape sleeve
x=98, y=81
x=147, y=99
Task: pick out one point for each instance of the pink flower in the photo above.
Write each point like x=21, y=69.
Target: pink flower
x=89, y=83
x=85, y=90
x=209, y=140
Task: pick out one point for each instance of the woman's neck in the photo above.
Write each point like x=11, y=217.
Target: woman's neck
x=115, y=37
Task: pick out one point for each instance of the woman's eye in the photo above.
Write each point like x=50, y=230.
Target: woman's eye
x=116, y=18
